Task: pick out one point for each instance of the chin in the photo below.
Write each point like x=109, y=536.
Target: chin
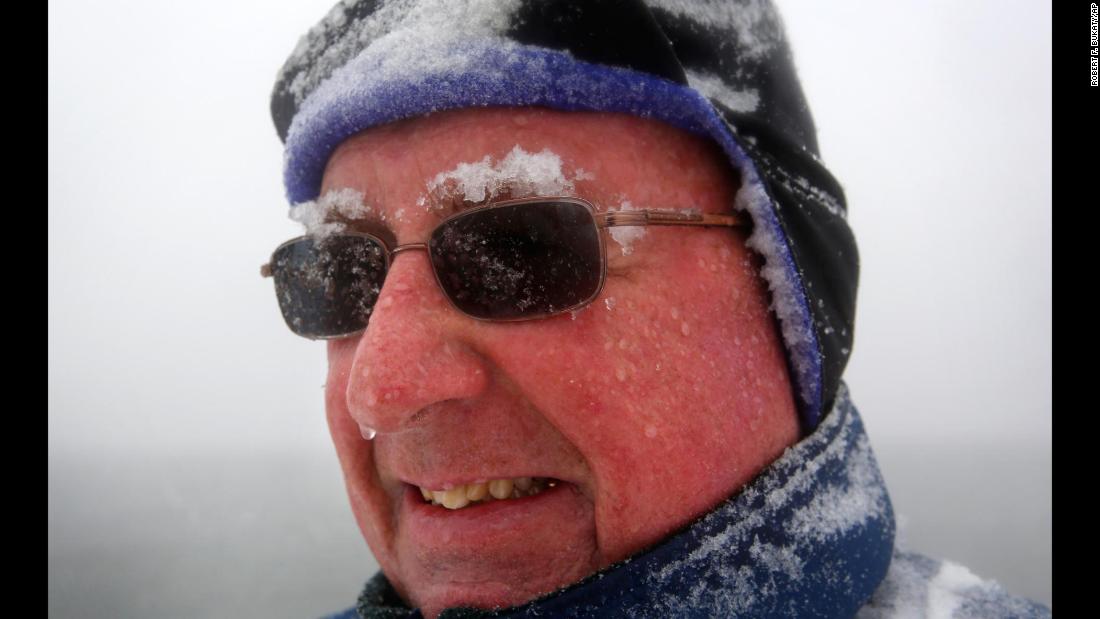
x=511, y=581
x=483, y=592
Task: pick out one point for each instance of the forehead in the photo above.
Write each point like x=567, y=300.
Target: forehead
x=614, y=157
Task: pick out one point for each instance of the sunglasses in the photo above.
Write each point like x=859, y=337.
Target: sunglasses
x=508, y=261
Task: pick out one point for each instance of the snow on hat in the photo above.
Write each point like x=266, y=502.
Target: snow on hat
x=717, y=69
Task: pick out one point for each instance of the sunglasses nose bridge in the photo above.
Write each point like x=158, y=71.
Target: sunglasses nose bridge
x=423, y=246
x=407, y=247
x=392, y=257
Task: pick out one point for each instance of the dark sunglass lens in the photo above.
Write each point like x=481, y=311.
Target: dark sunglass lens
x=327, y=287
x=520, y=260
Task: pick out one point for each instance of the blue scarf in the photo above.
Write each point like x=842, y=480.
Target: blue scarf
x=811, y=536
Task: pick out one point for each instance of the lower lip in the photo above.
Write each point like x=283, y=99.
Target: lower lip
x=480, y=523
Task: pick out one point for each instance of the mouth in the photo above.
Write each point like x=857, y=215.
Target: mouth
x=530, y=503
x=492, y=541
x=465, y=496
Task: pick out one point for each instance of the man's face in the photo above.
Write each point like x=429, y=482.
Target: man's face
x=648, y=407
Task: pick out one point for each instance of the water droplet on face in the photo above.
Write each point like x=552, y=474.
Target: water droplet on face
x=368, y=433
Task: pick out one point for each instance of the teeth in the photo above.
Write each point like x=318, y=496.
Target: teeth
x=476, y=492
x=498, y=489
x=455, y=498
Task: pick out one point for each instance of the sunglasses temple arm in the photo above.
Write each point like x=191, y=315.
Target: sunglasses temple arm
x=650, y=217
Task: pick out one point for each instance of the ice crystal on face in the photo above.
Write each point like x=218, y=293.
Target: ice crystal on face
x=316, y=216
x=583, y=175
x=519, y=174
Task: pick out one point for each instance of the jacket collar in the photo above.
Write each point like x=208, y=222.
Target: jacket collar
x=812, y=535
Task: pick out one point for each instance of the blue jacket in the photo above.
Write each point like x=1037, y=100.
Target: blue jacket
x=811, y=536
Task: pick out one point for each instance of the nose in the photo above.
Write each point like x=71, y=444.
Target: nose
x=417, y=351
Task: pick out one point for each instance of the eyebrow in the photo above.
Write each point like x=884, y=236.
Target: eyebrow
x=454, y=200
x=443, y=202
x=371, y=223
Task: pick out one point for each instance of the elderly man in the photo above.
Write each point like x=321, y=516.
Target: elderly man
x=587, y=293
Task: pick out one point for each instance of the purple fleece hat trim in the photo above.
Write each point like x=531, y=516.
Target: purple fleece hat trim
x=346, y=104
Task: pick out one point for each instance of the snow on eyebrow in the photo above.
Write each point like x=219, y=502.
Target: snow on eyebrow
x=316, y=215
x=519, y=174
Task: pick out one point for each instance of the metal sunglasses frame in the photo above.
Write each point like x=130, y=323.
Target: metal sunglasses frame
x=602, y=220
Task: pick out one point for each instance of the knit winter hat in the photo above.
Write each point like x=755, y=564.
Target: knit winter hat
x=718, y=69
